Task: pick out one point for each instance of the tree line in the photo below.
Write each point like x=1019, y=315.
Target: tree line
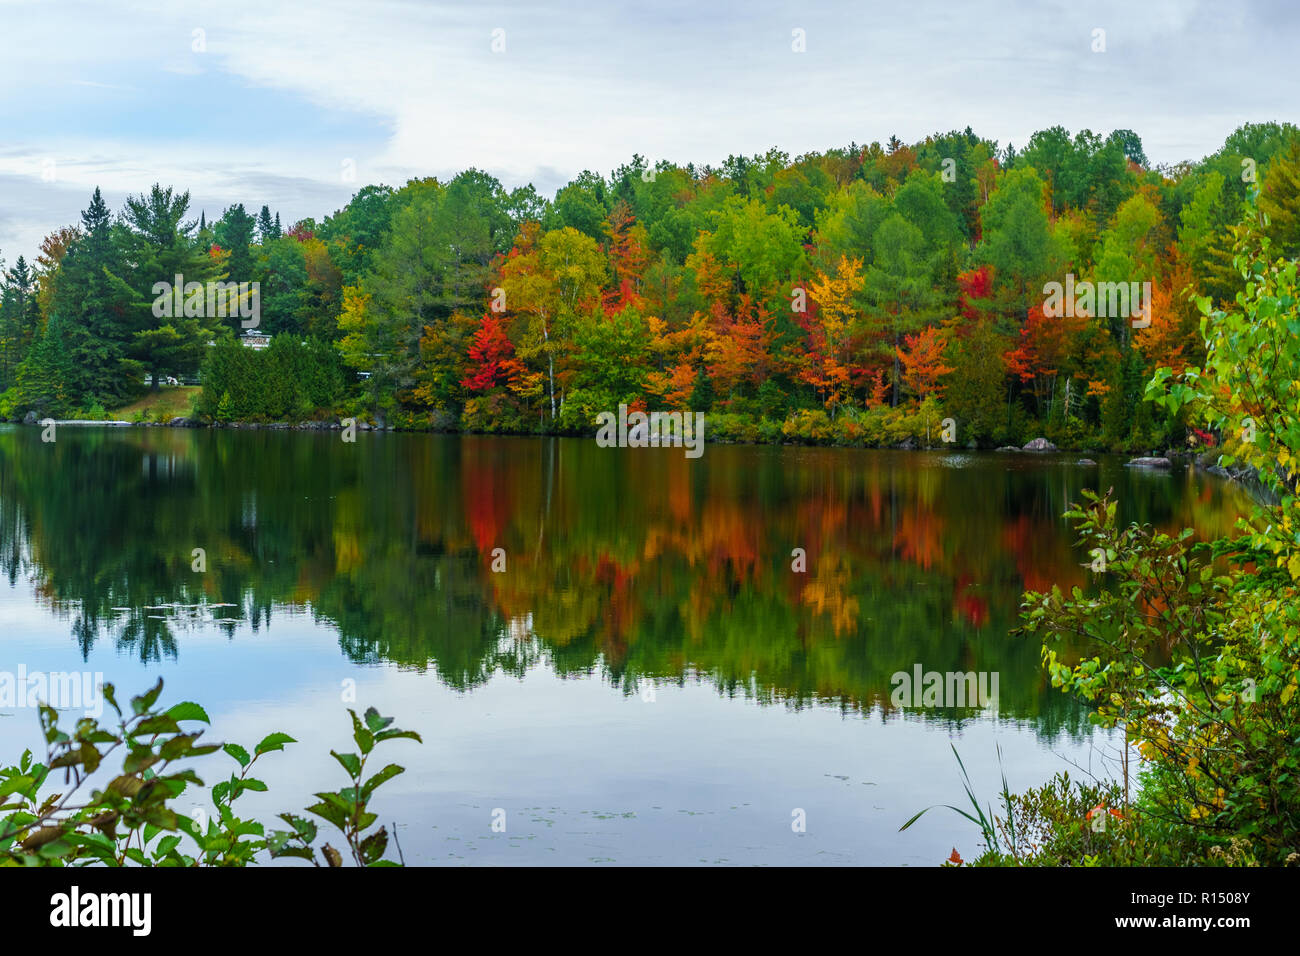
x=858, y=295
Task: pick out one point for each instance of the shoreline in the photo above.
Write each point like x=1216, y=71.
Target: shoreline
x=1156, y=460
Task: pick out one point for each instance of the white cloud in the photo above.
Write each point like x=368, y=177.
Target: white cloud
x=582, y=86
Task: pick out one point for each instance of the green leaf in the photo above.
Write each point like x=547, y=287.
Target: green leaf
x=394, y=734
x=239, y=753
x=161, y=724
x=146, y=700
x=165, y=846
x=329, y=813
x=392, y=770
x=272, y=742
x=178, y=746
x=17, y=785
x=188, y=710
x=351, y=762
x=373, y=846
x=140, y=759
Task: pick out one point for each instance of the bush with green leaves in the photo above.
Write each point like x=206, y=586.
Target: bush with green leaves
x=1191, y=649
x=131, y=819
x=1069, y=822
x=290, y=380
x=1194, y=648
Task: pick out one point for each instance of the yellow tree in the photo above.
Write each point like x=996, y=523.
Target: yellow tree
x=830, y=363
x=546, y=282
x=676, y=357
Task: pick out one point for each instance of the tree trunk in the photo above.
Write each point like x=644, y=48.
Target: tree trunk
x=550, y=372
x=550, y=368
x=896, y=342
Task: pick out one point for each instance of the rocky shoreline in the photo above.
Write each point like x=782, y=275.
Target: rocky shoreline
x=1245, y=475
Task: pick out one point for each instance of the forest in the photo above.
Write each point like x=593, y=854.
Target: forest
x=858, y=296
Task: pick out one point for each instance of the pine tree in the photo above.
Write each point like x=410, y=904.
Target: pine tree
x=45, y=375
x=162, y=246
x=234, y=233
x=95, y=306
x=267, y=228
x=19, y=319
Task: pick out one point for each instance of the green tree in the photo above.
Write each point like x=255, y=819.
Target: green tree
x=19, y=320
x=1279, y=200
x=162, y=245
x=268, y=229
x=976, y=395
x=900, y=286
x=99, y=311
x=45, y=374
x=1018, y=243
x=234, y=232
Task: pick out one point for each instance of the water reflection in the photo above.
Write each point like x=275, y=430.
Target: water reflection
x=640, y=566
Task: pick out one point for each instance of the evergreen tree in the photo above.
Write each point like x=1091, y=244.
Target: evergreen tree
x=163, y=246
x=96, y=309
x=19, y=319
x=45, y=375
x=234, y=233
x=267, y=228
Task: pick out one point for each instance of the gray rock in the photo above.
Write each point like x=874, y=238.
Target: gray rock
x=180, y=421
x=1039, y=444
x=908, y=445
x=1085, y=461
x=1008, y=448
x=1149, y=462
x=29, y=418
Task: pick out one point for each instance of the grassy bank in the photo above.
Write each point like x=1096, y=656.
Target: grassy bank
x=170, y=401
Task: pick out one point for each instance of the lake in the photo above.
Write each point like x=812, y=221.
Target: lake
x=624, y=655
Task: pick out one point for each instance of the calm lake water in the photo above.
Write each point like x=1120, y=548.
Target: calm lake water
x=648, y=681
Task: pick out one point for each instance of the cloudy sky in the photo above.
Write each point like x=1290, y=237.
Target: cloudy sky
x=279, y=102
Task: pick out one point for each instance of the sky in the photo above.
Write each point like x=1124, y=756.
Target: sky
x=298, y=105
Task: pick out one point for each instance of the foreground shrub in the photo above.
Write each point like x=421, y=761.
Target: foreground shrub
x=131, y=819
x=1192, y=650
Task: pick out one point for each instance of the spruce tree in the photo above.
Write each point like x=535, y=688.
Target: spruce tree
x=268, y=229
x=19, y=319
x=95, y=308
x=45, y=375
x=234, y=233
